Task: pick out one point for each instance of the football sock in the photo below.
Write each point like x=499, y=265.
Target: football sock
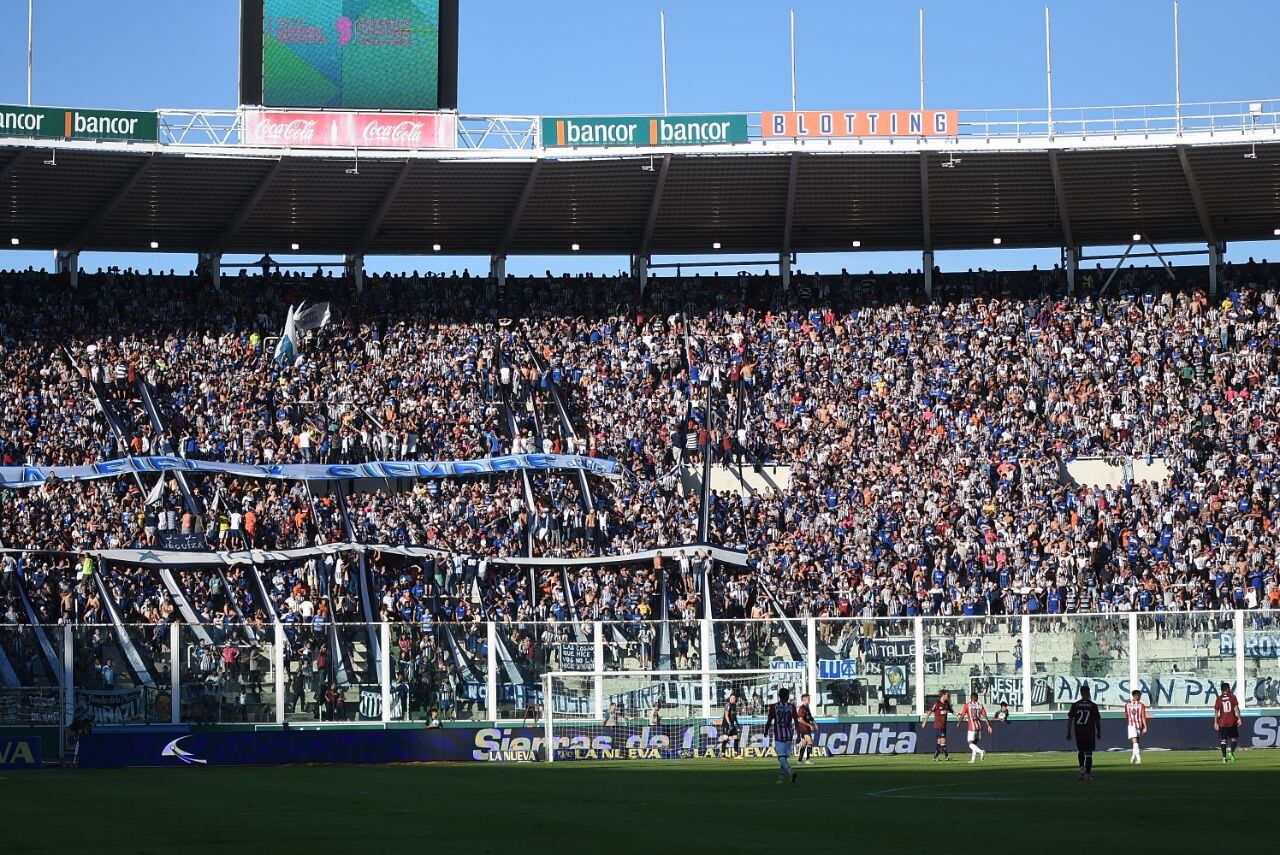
x=1223, y=746
x=1137, y=751
x=785, y=763
x=1233, y=746
x=1080, y=758
x=1088, y=762
x=937, y=749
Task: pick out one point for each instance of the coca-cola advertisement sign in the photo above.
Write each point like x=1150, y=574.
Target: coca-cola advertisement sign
x=293, y=129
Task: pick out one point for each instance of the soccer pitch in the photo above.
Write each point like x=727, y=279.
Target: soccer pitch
x=1173, y=802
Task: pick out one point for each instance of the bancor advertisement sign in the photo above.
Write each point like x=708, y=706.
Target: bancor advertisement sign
x=859, y=123
x=75, y=124
x=643, y=130
x=295, y=129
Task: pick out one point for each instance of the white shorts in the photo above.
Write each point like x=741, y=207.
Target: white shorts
x=974, y=735
x=1134, y=733
x=782, y=749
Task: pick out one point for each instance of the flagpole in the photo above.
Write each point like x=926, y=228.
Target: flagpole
x=1177, y=69
x=1048, y=69
x=922, y=59
x=793, y=60
x=30, y=19
x=662, y=23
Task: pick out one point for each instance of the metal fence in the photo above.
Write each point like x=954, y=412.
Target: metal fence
x=276, y=673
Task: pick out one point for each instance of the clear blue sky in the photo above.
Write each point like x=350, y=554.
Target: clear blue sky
x=602, y=56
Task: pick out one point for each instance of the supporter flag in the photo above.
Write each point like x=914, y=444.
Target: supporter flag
x=156, y=492
x=287, y=347
x=311, y=319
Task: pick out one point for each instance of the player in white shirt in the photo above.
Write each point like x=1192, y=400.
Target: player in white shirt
x=975, y=714
x=1135, y=716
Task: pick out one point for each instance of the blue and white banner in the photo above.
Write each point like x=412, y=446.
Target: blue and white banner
x=1257, y=645
x=31, y=476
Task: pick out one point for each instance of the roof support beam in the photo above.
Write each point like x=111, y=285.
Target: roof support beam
x=1202, y=210
x=12, y=164
x=925, y=225
x=375, y=222
x=789, y=216
x=104, y=211
x=654, y=204
x=232, y=227
x=1064, y=214
x=517, y=213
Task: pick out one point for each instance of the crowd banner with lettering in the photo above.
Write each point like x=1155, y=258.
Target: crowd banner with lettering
x=837, y=669
x=1257, y=645
x=314, y=129
x=577, y=656
x=178, y=558
x=828, y=124
x=115, y=706
x=30, y=476
x=1008, y=690
x=76, y=124
x=1171, y=690
x=610, y=131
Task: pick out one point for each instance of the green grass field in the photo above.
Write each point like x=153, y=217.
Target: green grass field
x=1174, y=802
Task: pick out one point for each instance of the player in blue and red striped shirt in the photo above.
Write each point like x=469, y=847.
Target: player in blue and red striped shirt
x=781, y=726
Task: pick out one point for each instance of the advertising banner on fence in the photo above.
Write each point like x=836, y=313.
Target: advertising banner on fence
x=599, y=131
x=75, y=124
x=296, y=129
x=1257, y=645
x=859, y=123
x=108, y=747
x=30, y=476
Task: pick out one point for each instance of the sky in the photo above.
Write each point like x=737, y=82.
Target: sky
x=601, y=56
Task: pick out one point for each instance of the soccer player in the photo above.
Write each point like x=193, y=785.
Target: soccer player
x=1227, y=721
x=976, y=715
x=729, y=729
x=1135, y=714
x=1085, y=719
x=807, y=729
x=940, y=711
x=781, y=726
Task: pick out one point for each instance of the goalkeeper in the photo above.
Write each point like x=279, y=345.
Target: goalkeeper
x=729, y=730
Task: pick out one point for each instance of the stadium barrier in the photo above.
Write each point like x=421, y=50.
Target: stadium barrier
x=231, y=673
x=493, y=743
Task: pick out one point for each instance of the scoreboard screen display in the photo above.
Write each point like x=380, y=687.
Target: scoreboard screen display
x=349, y=54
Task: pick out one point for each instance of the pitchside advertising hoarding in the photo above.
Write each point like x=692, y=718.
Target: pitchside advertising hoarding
x=297, y=129
x=859, y=123
x=621, y=131
x=160, y=746
x=77, y=124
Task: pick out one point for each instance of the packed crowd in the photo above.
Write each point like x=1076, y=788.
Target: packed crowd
x=926, y=442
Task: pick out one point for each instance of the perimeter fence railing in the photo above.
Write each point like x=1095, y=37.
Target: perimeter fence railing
x=166, y=674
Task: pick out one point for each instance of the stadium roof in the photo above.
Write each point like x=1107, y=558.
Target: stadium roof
x=764, y=196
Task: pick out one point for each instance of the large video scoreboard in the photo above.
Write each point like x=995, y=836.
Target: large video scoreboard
x=349, y=54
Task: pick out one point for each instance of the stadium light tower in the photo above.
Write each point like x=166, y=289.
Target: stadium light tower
x=793, y=60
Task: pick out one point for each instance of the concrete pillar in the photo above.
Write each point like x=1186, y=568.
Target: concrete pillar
x=355, y=271
x=784, y=270
x=68, y=263
x=1215, y=261
x=640, y=271
x=926, y=264
x=1071, y=258
x=498, y=269
x=209, y=267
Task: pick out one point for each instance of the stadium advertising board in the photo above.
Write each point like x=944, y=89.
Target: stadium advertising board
x=859, y=123
x=20, y=753
x=295, y=129
x=349, y=54
x=76, y=124
x=609, y=131
x=160, y=746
